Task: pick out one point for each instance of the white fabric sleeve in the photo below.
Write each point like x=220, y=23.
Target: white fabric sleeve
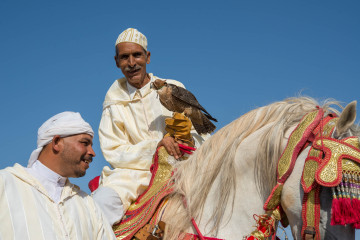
x=131, y=162
x=110, y=204
x=117, y=148
x=127, y=183
x=104, y=231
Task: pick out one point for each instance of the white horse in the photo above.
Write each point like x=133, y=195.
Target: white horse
x=228, y=179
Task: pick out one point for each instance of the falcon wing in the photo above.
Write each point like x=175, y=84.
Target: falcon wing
x=188, y=98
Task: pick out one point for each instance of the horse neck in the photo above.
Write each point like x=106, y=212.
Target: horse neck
x=255, y=163
x=230, y=202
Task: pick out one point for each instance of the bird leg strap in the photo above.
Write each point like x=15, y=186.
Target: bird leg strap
x=179, y=127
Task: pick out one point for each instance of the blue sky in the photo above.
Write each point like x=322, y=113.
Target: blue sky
x=233, y=55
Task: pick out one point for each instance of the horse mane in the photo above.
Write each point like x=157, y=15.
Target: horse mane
x=215, y=158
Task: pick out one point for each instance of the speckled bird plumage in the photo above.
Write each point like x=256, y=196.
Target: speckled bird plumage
x=178, y=99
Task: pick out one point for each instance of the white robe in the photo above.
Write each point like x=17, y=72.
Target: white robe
x=27, y=211
x=132, y=124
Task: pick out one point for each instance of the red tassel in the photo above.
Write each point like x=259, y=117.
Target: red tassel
x=352, y=213
x=356, y=207
x=356, y=225
x=341, y=217
x=335, y=212
x=347, y=211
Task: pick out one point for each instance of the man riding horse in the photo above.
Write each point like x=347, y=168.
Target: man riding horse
x=132, y=127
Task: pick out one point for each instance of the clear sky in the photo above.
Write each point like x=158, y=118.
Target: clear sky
x=233, y=55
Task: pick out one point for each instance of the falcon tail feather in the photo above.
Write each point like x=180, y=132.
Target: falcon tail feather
x=206, y=127
x=210, y=117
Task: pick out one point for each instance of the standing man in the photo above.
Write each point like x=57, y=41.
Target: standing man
x=39, y=202
x=132, y=127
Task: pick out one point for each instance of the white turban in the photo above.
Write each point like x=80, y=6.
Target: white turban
x=63, y=124
x=134, y=36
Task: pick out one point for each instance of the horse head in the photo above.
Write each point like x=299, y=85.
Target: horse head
x=293, y=193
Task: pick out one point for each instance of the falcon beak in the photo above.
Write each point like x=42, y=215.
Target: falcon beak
x=158, y=84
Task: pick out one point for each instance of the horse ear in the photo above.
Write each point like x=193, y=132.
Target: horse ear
x=346, y=119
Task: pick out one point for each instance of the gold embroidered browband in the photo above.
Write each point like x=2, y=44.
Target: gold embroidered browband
x=329, y=173
x=339, y=168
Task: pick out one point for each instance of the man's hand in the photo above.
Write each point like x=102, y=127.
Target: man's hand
x=171, y=146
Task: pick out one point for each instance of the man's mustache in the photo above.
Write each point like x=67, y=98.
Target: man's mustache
x=135, y=68
x=88, y=159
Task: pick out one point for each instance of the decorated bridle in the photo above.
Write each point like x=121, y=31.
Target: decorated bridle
x=330, y=163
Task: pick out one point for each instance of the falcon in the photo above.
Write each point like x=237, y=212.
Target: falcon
x=178, y=99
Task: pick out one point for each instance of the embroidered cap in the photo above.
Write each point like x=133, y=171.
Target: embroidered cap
x=134, y=36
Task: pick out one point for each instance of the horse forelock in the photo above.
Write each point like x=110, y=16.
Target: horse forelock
x=215, y=158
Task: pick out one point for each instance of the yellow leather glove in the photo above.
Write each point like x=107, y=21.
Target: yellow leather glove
x=179, y=127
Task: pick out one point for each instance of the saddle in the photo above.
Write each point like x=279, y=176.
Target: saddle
x=141, y=211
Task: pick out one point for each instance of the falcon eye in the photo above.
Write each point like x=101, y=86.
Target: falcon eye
x=158, y=84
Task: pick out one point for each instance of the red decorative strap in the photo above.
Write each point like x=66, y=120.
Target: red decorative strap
x=190, y=236
x=186, y=149
x=197, y=229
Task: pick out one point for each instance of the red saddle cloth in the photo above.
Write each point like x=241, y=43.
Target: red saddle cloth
x=94, y=183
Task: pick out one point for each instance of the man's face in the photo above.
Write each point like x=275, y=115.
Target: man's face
x=132, y=59
x=77, y=154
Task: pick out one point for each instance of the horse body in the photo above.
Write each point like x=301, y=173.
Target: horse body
x=228, y=179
